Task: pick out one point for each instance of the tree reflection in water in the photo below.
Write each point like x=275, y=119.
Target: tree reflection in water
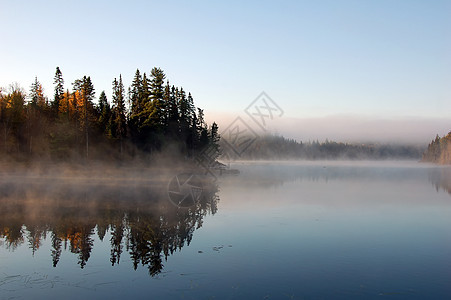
x=138, y=215
x=441, y=180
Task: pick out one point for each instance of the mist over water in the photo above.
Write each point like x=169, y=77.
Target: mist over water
x=349, y=128
x=318, y=229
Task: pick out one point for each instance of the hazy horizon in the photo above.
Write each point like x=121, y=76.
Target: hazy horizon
x=345, y=128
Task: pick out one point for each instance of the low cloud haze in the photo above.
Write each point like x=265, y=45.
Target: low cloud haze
x=347, y=128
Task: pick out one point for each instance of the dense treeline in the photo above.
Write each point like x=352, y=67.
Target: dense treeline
x=278, y=147
x=439, y=150
x=151, y=115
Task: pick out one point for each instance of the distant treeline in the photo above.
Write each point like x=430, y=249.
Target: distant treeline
x=151, y=115
x=278, y=147
x=439, y=150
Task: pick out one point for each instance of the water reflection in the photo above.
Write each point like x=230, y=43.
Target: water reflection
x=441, y=179
x=140, y=220
x=265, y=175
x=366, y=229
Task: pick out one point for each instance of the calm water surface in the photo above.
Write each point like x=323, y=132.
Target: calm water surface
x=278, y=230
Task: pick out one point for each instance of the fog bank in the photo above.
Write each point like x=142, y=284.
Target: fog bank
x=347, y=128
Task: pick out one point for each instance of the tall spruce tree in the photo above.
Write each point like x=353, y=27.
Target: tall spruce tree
x=214, y=138
x=135, y=94
x=173, y=111
x=151, y=117
x=157, y=95
x=37, y=95
x=135, y=98
x=202, y=130
x=104, y=112
x=35, y=107
x=145, y=93
x=86, y=89
x=119, y=129
x=59, y=90
x=157, y=84
x=167, y=103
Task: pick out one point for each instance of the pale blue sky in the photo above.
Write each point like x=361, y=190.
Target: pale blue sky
x=374, y=59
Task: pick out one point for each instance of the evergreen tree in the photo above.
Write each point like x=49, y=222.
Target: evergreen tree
x=59, y=90
x=37, y=95
x=145, y=92
x=156, y=84
x=86, y=89
x=214, y=138
x=167, y=103
x=183, y=111
x=34, y=120
x=172, y=111
x=136, y=101
x=13, y=115
x=190, y=106
x=187, y=119
x=75, y=107
x=151, y=117
x=202, y=130
x=136, y=94
x=104, y=112
x=157, y=94
x=119, y=119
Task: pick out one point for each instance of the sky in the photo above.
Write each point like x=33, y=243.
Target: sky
x=344, y=70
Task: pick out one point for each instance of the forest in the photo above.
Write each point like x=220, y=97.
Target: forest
x=439, y=150
x=278, y=147
x=151, y=115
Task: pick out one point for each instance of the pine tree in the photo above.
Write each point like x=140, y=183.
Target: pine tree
x=156, y=84
x=167, y=104
x=183, y=110
x=145, y=93
x=214, y=138
x=37, y=95
x=85, y=87
x=119, y=119
x=34, y=119
x=59, y=90
x=190, y=106
x=136, y=94
x=172, y=111
x=104, y=112
x=157, y=95
x=151, y=117
x=145, y=102
x=202, y=130
x=75, y=106
x=136, y=100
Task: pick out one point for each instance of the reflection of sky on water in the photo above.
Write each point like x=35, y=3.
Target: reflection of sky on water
x=306, y=230
x=334, y=183
x=340, y=230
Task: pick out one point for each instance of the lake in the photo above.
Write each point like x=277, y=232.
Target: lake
x=278, y=230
